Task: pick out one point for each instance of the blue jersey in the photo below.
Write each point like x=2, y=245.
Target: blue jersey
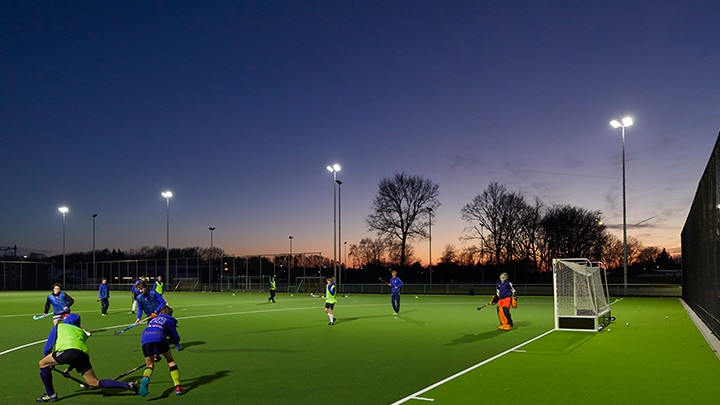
x=161, y=328
x=60, y=303
x=150, y=302
x=134, y=290
x=103, y=291
x=504, y=289
x=395, y=285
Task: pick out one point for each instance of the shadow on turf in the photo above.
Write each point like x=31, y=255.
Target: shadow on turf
x=192, y=384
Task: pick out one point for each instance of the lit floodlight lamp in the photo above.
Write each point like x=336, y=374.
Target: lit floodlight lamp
x=167, y=194
x=64, y=210
x=334, y=168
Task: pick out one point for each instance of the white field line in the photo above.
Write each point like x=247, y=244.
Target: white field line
x=416, y=395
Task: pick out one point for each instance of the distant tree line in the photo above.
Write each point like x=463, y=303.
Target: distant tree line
x=505, y=232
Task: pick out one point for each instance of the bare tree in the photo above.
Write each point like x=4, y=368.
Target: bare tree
x=449, y=254
x=501, y=214
x=573, y=232
x=401, y=210
x=369, y=252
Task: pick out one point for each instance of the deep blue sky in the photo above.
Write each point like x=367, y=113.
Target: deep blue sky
x=238, y=107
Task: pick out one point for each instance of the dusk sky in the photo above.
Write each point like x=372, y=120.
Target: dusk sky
x=237, y=107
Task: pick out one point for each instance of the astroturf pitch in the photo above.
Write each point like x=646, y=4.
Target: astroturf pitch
x=242, y=349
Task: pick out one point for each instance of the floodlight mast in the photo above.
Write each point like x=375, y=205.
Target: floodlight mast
x=626, y=122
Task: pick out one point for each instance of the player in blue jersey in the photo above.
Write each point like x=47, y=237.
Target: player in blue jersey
x=60, y=303
x=156, y=339
x=504, y=291
x=66, y=344
x=134, y=292
x=395, y=286
x=104, y=297
x=148, y=301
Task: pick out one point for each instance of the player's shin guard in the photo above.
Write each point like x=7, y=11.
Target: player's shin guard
x=508, y=318
x=175, y=374
x=502, y=315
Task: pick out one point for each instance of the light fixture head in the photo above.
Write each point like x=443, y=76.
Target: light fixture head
x=63, y=209
x=334, y=168
x=167, y=194
x=615, y=124
x=627, y=121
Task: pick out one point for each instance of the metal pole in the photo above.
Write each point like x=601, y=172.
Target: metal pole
x=212, y=228
x=335, y=224
x=64, y=286
x=625, y=258
x=339, y=238
x=430, y=243
x=94, y=262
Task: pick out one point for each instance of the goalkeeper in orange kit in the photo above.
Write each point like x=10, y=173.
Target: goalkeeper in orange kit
x=505, y=295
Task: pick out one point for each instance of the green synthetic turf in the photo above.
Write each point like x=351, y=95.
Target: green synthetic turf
x=241, y=349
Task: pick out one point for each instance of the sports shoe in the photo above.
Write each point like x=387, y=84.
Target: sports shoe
x=179, y=390
x=395, y=313
x=48, y=398
x=504, y=327
x=143, y=391
x=133, y=386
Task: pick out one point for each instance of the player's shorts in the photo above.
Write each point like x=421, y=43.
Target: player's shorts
x=155, y=349
x=329, y=305
x=78, y=359
x=60, y=317
x=505, y=302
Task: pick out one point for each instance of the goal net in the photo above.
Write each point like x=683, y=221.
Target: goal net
x=311, y=284
x=581, y=295
x=186, y=284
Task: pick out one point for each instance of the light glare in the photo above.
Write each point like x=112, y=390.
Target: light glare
x=64, y=210
x=167, y=194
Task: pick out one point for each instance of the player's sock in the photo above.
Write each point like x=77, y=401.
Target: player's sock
x=175, y=374
x=148, y=372
x=46, y=377
x=108, y=383
x=331, y=317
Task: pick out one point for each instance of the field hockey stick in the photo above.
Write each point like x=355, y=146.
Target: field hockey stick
x=83, y=384
x=132, y=370
x=132, y=325
x=36, y=317
x=486, y=305
x=314, y=295
x=384, y=282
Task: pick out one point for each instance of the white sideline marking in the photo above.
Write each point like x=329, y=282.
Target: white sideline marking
x=467, y=370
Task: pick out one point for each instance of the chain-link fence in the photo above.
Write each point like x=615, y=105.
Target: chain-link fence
x=701, y=247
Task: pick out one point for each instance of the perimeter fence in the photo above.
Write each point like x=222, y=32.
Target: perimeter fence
x=701, y=246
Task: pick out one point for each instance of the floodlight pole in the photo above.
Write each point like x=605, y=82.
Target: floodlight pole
x=167, y=195
x=626, y=122
x=94, y=262
x=212, y=252
x=64, y=210
x=430, y=212
x=334, y=169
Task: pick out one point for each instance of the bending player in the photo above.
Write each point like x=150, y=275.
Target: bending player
x=60, y=302
x=155, y=341
x=504, y=291
x=66, y=344
x=148, y=301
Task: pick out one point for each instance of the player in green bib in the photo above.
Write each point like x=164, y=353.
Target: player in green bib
x=330, y=299
x=273, y=288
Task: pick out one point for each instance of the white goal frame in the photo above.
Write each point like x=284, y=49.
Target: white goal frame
x=581, y=298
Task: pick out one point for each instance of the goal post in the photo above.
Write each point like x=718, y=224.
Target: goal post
x=581, y=295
